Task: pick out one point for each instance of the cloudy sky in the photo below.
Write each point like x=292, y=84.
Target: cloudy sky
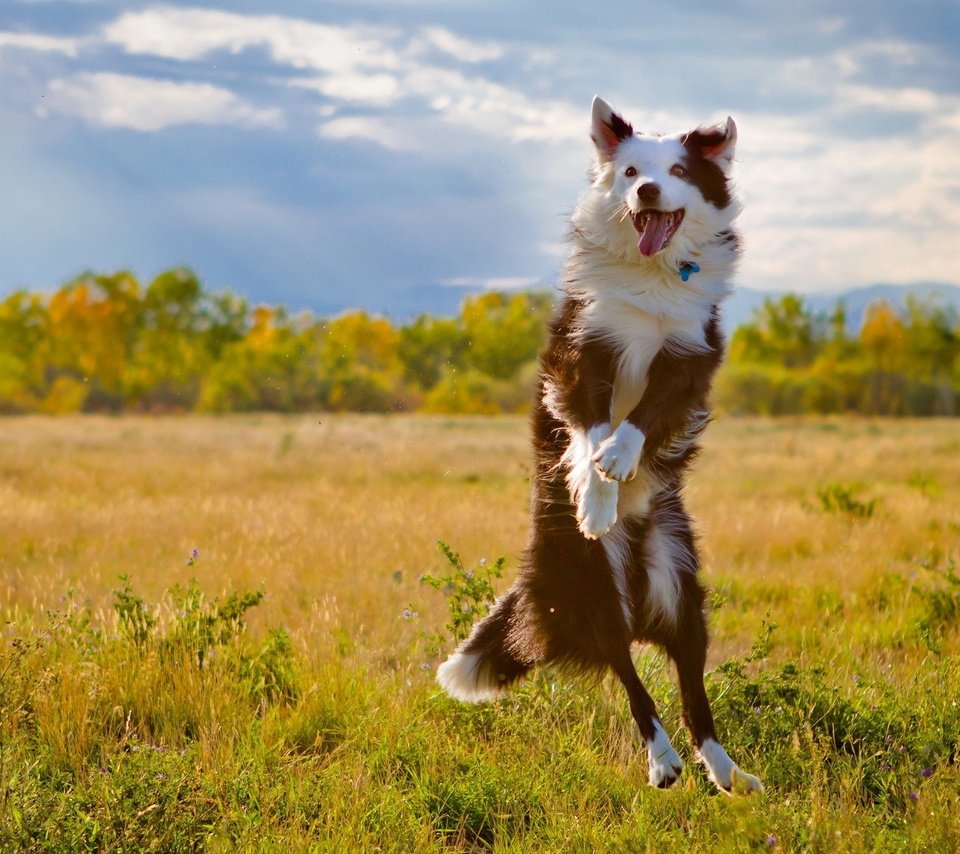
x=392, y=154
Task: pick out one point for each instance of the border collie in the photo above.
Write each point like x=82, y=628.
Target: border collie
x=622, y=401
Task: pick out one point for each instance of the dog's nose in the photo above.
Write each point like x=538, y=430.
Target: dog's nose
x=648, y=192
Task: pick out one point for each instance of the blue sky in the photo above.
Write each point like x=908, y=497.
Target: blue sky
x=392, y=155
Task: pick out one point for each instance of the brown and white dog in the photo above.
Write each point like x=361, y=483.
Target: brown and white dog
x=623, y=399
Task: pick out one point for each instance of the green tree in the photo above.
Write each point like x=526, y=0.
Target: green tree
x=503, y=331
x=428, y=347
x=275, y=366
x=23, y=331
x=782, y=331
x=169, y=353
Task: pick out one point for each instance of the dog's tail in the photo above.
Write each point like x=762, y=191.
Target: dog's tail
x=488, y=662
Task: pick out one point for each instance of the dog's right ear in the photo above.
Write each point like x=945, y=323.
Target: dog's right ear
x=607, y=129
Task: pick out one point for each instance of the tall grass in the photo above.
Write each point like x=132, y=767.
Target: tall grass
x=216, y=635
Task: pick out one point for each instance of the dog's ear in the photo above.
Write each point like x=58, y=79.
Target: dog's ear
x=607, y=129
x=715, y=143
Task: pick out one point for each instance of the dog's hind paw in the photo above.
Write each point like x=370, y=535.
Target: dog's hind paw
x=597, y=508
x=742, y=783
x=665, y=763
x=725, y=773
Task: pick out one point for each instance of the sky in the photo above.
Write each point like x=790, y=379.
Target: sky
x=395, y=155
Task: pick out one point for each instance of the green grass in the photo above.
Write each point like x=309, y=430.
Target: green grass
x=274, y=689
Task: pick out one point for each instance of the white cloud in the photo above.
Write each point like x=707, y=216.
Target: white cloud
x=466, y=50
x=493, y=109
x=46, y=44
x=147, y=104
x=378, y=90
x=190, y=34
x=369, y=128
x=906, y=100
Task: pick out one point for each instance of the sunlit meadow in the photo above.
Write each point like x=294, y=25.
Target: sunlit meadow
x=216, y=635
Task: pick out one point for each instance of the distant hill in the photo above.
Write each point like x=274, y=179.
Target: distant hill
x=745, y=301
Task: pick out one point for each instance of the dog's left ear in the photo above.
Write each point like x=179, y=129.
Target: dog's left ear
x=607, y=128
x=715, y=143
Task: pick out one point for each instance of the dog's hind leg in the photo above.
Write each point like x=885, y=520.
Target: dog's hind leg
x=486, y=663
x=664, y=762
x=689, y=652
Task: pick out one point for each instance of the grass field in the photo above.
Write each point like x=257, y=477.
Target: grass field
x=216, y=636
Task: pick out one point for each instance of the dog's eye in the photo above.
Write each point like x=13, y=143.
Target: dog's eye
x=678, y=171
x=631, y=171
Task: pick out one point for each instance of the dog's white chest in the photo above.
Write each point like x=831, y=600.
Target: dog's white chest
x=639, y=342
x=638, y=336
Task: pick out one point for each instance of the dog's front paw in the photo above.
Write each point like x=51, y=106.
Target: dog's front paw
x=618, y=457
x=597, y=508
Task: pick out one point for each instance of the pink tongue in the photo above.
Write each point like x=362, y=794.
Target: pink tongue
x=655, y=232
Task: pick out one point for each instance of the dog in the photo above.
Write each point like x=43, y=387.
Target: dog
x=622, y=401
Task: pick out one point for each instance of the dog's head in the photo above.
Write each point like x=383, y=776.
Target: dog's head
x=658, y=195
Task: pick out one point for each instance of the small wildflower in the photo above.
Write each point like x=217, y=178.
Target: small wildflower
x=926, y=772
x=771, y=841
x=424, y=666
x=914, y=796
x=483, y=561
x=409, y=614
x=886, y=766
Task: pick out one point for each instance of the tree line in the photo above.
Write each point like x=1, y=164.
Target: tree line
x=107, y=343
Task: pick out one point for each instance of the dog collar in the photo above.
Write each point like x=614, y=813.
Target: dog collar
x=687, y=268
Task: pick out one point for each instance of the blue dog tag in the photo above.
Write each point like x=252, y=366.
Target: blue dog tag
x=686, y=268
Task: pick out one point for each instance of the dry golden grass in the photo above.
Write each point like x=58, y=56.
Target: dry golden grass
x=323, y=510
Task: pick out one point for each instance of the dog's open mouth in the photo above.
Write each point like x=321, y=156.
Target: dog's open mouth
x=655, y=229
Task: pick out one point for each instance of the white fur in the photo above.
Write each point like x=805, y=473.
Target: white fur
x=595, y=499
x=551, y=400
x=616, y=544
x=460, y=676
x=618, y=457
x=666, y=559
x=724, y=772
x=665, y=763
